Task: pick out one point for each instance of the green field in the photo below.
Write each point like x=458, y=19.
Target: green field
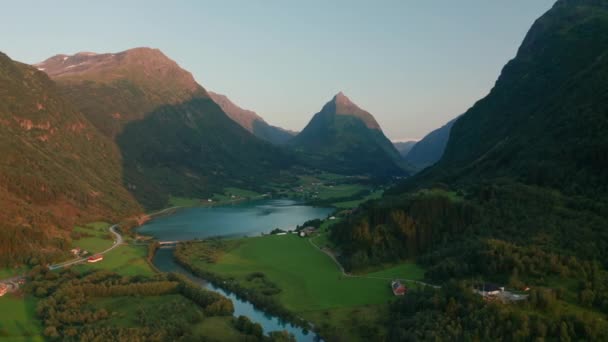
x=17, y=319
x=95, y=237
x=11, y=272
x=354, y=203
x=183, y=202
x=126, y=260
x=234, y=194
x=311, y=284
x=308, y=278
x=218, y=329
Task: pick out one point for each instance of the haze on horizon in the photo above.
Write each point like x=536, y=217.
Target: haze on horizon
x=414, y=67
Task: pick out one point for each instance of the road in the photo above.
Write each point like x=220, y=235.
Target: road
x=349, y=275
x=117, y=242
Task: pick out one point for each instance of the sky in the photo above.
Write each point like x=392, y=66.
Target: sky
x=413, y=64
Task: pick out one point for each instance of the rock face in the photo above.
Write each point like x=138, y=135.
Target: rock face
x=173, y=138
x=251, y=121
x=346, y=139
x=56, y=168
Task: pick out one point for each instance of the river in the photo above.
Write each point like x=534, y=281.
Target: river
x=243, y=219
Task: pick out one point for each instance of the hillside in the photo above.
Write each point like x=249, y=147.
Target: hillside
x=251, y=121
x=113, y=89
x=520, y=195
x=194, y=150
x=55, y=170
x=544, y=122
x=429, y=149
x=344, y=138
x=173, y=138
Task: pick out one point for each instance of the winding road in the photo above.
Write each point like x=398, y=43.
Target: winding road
x=349, y=275
x=117, y=242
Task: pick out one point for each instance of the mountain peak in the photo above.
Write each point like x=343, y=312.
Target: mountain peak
x=148, y=68
x=342, y=100
x=140, y=62
x=342, y=105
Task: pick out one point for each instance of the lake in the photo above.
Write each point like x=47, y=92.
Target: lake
x=241, y=219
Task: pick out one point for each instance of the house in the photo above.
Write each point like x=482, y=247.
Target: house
x=398, y=288
x=76, y=251
x=306, y=231
x=95, y=258
x=3, y=289
x=489, y=289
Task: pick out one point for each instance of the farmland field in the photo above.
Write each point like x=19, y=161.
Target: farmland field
x=17, y=319
x=94, y=237
x=126, y=260
x=309, y=280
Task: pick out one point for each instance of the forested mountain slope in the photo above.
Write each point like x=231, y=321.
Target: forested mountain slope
x=55, y=170
x=520, y=196
x=174, y=139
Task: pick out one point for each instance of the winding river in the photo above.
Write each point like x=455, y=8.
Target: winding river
x=243, y=219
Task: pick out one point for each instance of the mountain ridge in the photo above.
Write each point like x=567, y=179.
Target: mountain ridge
x=57, y=169
x=251, y=121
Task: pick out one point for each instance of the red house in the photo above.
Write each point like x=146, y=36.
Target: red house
x=398, y=288
x=95, y=258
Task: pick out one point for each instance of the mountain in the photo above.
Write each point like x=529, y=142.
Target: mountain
x=403, y=147
x=56, y=168
x=523, y=176
x=346, y=139
x=113, y=89
x=429, y=149
x=544, y=122
x=251, y=121
x=174, y=139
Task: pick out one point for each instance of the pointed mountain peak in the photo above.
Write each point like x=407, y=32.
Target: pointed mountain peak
x=342, y=105
x=342, y=100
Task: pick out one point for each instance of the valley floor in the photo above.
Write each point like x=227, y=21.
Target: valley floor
x=303, y=279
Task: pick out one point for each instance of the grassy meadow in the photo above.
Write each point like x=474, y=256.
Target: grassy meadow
x=93, y=237
x=128, y=260
x=18, y=319
x=309, y=280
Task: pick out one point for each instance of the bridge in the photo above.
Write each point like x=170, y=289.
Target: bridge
x=167, y=243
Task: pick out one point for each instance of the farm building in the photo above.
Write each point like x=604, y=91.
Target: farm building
x=307, y=231
x=95, y=258
x=398, y=288
x=488, y=289
x=3, y=289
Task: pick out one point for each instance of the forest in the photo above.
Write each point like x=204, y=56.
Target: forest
x=74, y=307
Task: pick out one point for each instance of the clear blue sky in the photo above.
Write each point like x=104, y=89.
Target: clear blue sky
x=413, y=64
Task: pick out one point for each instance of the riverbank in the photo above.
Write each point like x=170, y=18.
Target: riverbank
x=289, y=273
